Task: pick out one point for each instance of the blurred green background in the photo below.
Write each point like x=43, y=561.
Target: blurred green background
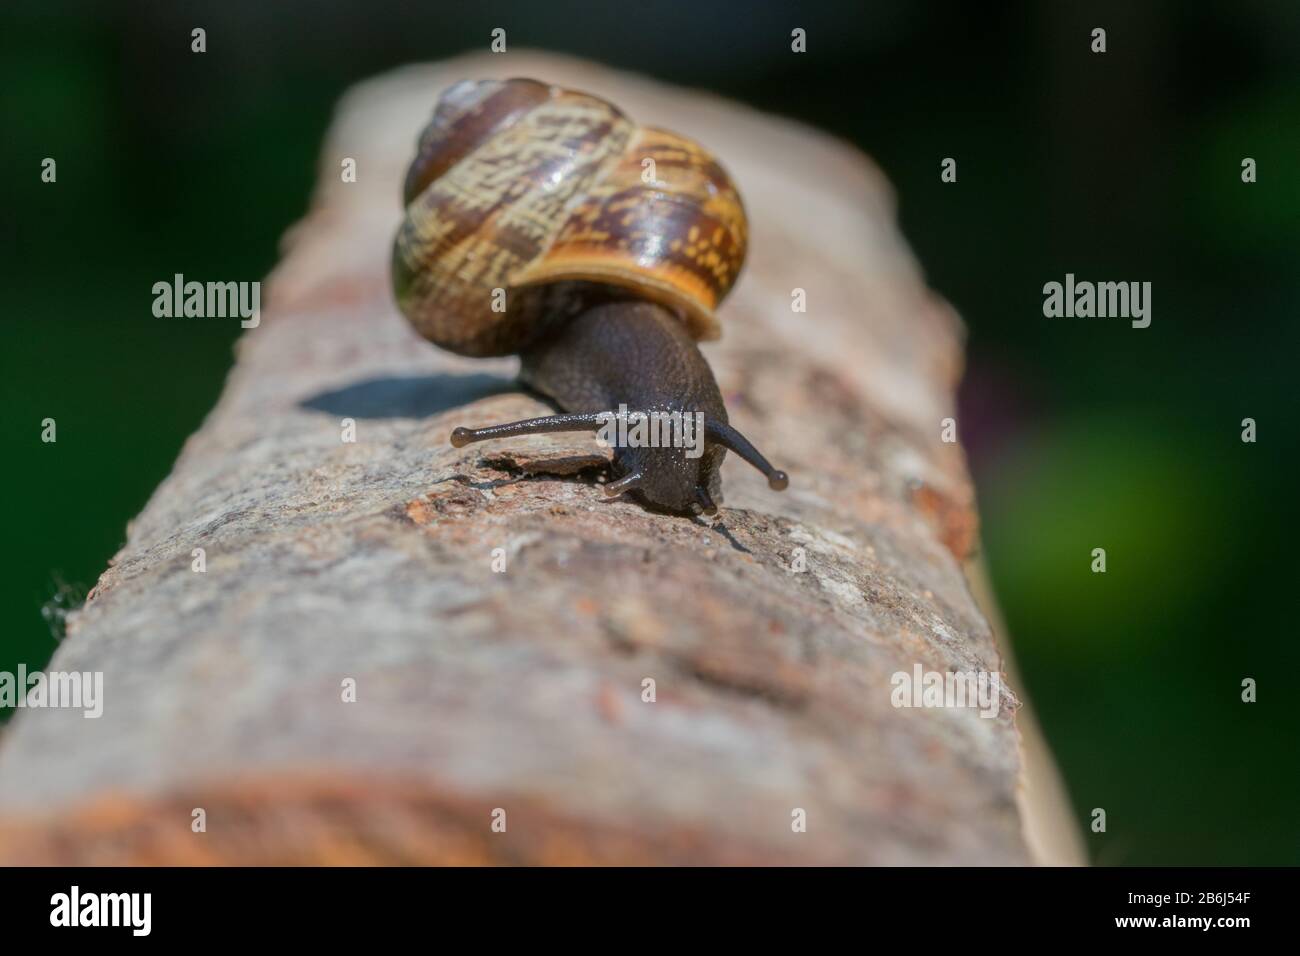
x=1082, y=433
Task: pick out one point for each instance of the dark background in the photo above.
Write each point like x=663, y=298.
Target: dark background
x=1082, y=433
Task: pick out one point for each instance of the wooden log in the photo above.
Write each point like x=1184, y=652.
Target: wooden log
x=329, y=562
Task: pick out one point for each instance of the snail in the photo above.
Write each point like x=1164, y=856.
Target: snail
x=533, y=226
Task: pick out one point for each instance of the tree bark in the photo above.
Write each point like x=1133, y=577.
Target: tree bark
x=522, y=691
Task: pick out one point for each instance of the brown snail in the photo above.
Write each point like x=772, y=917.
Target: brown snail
x=531, y=229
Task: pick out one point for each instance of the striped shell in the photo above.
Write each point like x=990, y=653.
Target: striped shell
x=537, y=191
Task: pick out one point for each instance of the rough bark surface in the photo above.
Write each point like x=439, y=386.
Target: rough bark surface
x=522, y=690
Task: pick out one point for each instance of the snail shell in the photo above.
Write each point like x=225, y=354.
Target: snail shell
x=539, y=191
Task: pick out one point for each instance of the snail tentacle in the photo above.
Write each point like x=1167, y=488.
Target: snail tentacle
x=580, y=422
x=726, y=436
x=703, y=503
x=626, y=483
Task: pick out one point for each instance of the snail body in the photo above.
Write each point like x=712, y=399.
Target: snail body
x=533, y=226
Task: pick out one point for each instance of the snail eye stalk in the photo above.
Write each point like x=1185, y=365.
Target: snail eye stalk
x=586, y=422
x=732, y=440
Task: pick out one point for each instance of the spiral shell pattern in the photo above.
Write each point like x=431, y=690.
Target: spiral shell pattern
x=522, y=195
